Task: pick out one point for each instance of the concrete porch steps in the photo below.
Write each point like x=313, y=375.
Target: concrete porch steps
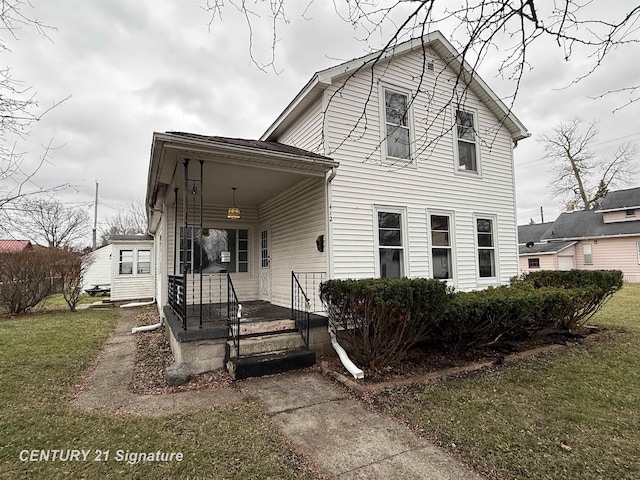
x=266, y=348
x=270, y=363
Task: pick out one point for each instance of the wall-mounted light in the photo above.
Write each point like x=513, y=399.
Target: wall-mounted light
x=234, y=212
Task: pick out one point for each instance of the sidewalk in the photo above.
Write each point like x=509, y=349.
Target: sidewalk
x=344, y=438
x=335, y=431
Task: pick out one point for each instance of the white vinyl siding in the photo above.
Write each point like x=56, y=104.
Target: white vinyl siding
x=363, y=179
x=295, y=218
x=130, y=257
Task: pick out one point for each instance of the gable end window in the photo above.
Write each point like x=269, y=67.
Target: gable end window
x=397, y=132
x=467, y=148
x=534, y=263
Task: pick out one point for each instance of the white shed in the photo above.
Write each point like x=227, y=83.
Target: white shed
x=98, y=273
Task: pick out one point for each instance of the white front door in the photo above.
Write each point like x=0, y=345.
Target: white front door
x=265, y=265
x=565, y=263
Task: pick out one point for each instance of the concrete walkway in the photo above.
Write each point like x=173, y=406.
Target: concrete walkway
x=335, y=431
x=344, y=438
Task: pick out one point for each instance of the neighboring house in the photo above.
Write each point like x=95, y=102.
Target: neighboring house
x=601, y=239
x=125, y=268
x=15, y=246
x=328, y=195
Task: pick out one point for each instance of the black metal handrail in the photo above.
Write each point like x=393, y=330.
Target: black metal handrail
x=176, y=297
x=300, y=308
x=310, y=283
x=233, y=315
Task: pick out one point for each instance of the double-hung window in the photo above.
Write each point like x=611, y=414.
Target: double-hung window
x=486, y=247
x=441, y=252
x=587, y=252
x=466, y=140
x=390, y=244
x=534, y=263
x=144, y=262
x=397, y=132
x=125, y=262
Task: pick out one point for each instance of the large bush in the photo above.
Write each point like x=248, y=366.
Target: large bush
x=28, y=277
x=379, y=320
x=579, y=293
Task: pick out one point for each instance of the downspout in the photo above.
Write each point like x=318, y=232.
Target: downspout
x=351, y=367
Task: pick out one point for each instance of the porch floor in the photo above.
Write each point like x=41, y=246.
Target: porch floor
x=214, y=324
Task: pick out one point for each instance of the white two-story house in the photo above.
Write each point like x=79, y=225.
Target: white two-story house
x=394, y=164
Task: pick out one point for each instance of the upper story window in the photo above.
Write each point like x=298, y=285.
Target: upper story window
x=397, y=132
x=467, y=148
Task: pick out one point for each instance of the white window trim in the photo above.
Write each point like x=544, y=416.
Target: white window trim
x=403, y=230
x=590, y=254
x=134, y=261
x=452, y=240
x=388, y=160
x=456, y=155
x=496, y=255
x=638, y=251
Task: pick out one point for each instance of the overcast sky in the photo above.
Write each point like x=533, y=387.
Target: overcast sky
x=135, y=67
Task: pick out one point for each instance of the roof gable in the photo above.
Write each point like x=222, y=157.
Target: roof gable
x=435, y=40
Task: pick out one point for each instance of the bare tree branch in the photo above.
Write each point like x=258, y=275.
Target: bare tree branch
x=580, y=177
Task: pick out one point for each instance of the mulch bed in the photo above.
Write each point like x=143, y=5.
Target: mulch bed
x=153, y=355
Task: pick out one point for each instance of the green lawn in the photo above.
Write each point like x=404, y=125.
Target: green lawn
x=42, y=358
x=573, y=415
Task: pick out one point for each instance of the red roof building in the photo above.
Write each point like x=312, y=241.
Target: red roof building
x=14, y=246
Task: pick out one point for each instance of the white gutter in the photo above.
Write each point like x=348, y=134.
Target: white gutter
x=344, y=358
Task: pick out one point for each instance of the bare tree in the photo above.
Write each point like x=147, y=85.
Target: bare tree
x=129, y=220
x=580, y=176
x=499, y=33
x=19, y=110
x=49, y=221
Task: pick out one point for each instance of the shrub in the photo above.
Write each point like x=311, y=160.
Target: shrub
x=25, y=279
x=579, y=293
x=381, y=319
x=68, y=267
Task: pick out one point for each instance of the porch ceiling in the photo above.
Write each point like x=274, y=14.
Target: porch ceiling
x=259, y=170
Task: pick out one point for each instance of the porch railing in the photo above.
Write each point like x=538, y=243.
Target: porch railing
x=203, y=300
x=310, y=283
x=233, y=315
x=300, y=308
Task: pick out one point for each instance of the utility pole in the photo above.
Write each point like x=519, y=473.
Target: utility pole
x=541, y=215
x=95, y=218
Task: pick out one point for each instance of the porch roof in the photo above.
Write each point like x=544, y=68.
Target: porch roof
x=259, y=169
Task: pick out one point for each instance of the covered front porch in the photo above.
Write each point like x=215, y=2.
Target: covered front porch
x=234, y=219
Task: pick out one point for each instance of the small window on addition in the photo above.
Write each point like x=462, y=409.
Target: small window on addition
x=534, y=263
x=631, y=212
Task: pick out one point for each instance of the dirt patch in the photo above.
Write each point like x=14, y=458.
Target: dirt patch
x=153, y=355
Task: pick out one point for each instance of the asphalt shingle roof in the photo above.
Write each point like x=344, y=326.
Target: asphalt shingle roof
x=588, y=223
x=256, y=144
x=621, y=199
x=551, y=247
x=532, y=232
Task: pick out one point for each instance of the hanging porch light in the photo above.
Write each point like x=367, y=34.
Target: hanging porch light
x=234, y=212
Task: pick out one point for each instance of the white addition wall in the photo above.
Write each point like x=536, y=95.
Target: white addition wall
x=132, y=286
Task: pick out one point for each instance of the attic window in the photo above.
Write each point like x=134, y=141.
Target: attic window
x=631, y=213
